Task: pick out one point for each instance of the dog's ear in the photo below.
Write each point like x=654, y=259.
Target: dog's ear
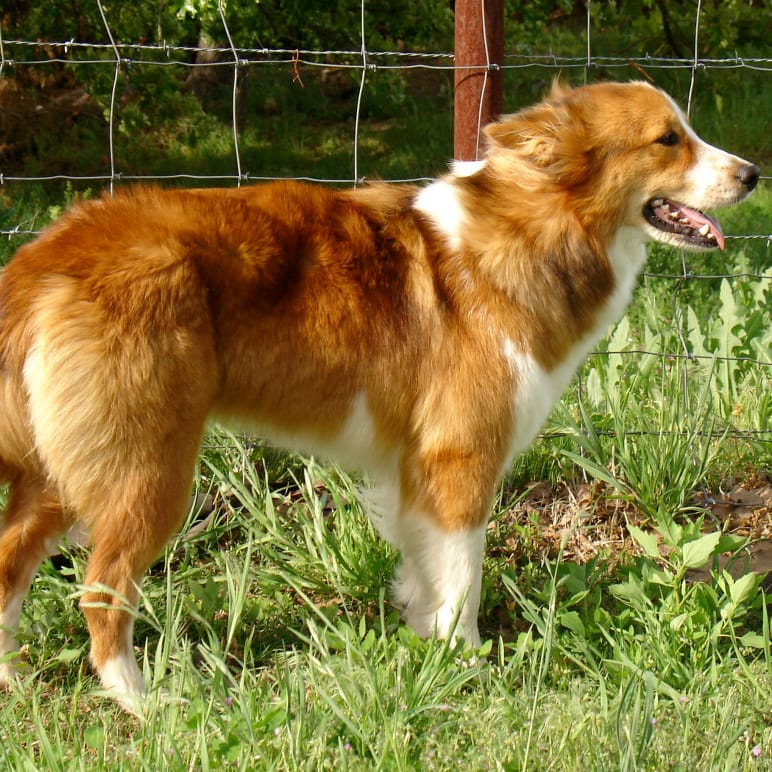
x=549, y=136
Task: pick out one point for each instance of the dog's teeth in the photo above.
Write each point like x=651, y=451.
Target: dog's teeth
x=684, y=221
x=674, y=215
x=657, y=202
x=705, y=230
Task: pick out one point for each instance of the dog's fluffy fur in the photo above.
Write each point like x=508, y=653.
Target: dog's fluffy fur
x=420, y=333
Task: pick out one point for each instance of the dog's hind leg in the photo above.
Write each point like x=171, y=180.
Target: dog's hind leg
x=32, y=522
x=137, y=520
x=118, y=394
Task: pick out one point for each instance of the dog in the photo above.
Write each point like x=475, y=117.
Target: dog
x=420, y=333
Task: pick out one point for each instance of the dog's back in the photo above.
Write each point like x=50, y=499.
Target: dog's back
x=154, y=290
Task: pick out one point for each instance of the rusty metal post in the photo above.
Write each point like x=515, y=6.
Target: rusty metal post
x=479, y=91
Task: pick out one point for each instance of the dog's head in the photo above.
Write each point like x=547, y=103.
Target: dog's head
x=625, y=152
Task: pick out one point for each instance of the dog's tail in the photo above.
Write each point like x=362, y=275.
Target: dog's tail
x=16, y=446
x=44, y=386
x=16, y=443
x=65, y=395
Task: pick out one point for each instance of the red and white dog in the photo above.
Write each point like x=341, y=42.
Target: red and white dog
x=420, y=333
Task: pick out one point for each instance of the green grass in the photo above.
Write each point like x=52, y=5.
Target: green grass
x=257, y=662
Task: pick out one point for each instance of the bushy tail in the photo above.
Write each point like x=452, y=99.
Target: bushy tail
x=17, y=452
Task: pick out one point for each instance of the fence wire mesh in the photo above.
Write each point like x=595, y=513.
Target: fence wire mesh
x=120, y=58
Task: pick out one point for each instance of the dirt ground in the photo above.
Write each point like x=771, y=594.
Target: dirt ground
x=589, y=521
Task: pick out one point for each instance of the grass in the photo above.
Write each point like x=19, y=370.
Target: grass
x=301, y=664
x=268, y=640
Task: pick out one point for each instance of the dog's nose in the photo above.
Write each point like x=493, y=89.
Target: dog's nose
x=748, y=175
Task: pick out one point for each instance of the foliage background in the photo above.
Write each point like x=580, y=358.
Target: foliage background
x=171, y=115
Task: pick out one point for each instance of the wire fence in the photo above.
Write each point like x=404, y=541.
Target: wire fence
x=119, y=57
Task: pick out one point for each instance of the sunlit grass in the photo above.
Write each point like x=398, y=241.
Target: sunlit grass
x=273, y=666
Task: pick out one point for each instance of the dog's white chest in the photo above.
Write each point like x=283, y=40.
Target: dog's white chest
x=536, y=389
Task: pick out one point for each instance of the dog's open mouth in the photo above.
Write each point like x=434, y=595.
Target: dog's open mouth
x=690, y=225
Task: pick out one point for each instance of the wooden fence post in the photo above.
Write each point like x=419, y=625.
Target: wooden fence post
x=479, y=92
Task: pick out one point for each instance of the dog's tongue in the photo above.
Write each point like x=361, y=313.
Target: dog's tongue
x=700, y=220
x=697, y=220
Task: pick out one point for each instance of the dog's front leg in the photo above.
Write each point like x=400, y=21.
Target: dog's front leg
x=440, y=530
x=437, y=584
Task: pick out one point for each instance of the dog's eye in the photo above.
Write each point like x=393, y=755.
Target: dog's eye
x=668, y=140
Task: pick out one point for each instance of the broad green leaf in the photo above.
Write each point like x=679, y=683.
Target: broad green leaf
x=571, y=620
x=68, y=655
x=677, y=622
x=743, y=588
x=94, y=736
x=697, y=553
x=730, y=317
x=646, y=540
x=631, y=592
x=730, y=542
x=594, y=388
x=368, y=641
x=754, y=640
x=601, y=617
